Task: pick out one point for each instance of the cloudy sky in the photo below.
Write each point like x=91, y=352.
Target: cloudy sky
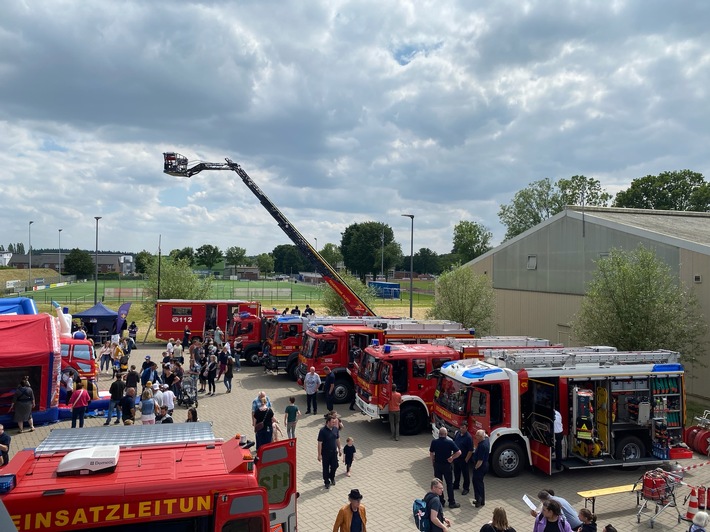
x=341, y=111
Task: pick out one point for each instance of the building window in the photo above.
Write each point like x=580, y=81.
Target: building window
x=604, y=255
x=532, y=262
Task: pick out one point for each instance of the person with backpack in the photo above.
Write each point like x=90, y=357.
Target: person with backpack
x=499, y=522
x=551, y=518
x=432, y=516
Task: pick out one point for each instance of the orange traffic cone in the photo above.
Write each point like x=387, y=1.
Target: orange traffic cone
x=692, y=505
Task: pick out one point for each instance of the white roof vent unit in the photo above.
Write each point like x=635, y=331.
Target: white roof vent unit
x=89, y=461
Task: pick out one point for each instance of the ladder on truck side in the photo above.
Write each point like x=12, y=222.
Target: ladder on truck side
x=573, y=357
x=177, y=165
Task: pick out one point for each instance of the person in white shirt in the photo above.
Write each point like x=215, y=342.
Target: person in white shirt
x=559, y=435
x=168, y=398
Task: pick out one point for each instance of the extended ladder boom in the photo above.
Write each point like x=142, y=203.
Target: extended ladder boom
x=177, y=165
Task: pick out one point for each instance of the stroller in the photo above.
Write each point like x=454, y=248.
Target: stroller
x=188, y=391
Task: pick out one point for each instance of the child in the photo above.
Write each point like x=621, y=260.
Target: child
x=589, y=521
x=348, y=455
x=291, y=417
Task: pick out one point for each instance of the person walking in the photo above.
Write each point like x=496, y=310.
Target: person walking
x=229, y=374
x=117, y=389
x=352, y=517
x=480, y=456
x=211, y=375
x=311, y=383
x=435, y=507
x=328, y=446
x=22, y=403
x=262, y=423
x=79, y=402
x=128, y=406
x=291, y=417
x=551, y=513
x=329, y=388
x=394, y=411
x=443, y=451
x=462, y=465
x=499, y=522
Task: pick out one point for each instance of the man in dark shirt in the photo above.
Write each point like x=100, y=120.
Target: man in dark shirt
x=128, y=406
x=463, y=441
x=435, y=507
x=443, y=451
x=329, y=388
x=328, y=451
x=132, y=378
x=164, y=416
x=480, y=466
x=4, y=447
x=116, y=390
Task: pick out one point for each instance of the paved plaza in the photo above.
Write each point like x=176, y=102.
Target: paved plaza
x=391, y=474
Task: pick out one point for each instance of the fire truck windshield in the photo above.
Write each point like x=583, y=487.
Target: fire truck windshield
x=309, y=347
x=369, y=368
x=451, y=395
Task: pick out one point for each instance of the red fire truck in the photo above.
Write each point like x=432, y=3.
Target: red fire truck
x=378, y=367
x=158, y=478
x=618, y=408
x=244, y=319
x=338, y=346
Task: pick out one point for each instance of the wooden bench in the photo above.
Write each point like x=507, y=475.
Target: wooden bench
x=591, y=495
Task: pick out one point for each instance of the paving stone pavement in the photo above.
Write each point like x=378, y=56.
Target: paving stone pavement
x=391, y=474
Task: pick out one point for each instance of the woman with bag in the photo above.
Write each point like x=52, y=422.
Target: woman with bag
x=262, y=426
x=79, y=401
x=23, y=402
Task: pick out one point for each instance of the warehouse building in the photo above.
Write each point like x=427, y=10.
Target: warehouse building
x=540, y=276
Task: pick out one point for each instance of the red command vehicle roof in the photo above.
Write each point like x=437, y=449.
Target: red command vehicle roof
x=150, y=480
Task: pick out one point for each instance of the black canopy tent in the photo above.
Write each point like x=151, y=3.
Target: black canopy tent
x=100, y=322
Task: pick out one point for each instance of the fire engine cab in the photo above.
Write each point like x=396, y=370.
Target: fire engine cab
x=617, y=408
x=158, y=478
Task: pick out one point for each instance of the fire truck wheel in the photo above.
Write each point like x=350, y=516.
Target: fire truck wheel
x=410, y=420
x=251, y=357
x=630, y=448
x=293, y=370
x=508, y=460
x=344, y=391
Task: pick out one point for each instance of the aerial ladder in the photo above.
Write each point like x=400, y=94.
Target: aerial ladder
x=574, y=357
x=177, y=165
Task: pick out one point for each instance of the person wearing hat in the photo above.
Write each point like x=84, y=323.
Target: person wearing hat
x=146, y=363
x=158, y=394
x=351, y=517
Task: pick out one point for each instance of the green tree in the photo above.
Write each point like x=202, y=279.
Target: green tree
x=186, y=253
x=425, y=261
x=208, y=255
x=143, y=260
x=333, y=303
x=464, y=296
x=331, y=253
x=636, y=303
x=471, y=239
x=265, y=262
x=79, y=263
x=235, y=256
x=362, y=248
x=682, y=190
x=11, y=247
x=177, y=281
x=543, y=199
x=288, y=259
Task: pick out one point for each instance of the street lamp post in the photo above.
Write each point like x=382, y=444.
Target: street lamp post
x=59, y=265
x=411, y=266
x=29, y=238
x=96, y=261
x=382, y=264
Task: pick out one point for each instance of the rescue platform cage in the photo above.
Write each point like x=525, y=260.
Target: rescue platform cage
x=658, y=488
